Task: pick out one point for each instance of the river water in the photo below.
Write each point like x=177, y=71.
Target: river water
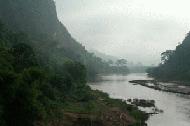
x=176, y=107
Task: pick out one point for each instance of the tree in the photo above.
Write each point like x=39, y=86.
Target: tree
x=165, y=56
x=110, y=62
x=24, y=56
x=24, y=106
x=121, y=62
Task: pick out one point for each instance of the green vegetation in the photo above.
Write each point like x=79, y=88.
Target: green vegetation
x=101, y=106
x=43, y=70
x=175, y=63
x=31, y=92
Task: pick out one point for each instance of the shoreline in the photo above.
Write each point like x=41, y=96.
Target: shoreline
x=167, y=86
x=105, y=111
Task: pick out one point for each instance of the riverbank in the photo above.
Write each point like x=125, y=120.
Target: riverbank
x=101, y=111
x=119, y=87
x=173, y=87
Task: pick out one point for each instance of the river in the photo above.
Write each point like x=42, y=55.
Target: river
x=176, y=107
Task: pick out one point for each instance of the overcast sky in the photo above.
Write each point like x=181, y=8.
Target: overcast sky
x=138, y=30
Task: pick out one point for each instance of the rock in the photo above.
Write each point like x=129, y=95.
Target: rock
x=143, y=103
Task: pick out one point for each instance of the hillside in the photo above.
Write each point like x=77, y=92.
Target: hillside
x=175, y=63
x=103, y=55
x=38, y=20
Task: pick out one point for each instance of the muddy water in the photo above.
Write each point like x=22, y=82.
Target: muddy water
x=176, y=107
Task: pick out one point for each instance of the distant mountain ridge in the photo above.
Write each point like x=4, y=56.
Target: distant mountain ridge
x=104, y=56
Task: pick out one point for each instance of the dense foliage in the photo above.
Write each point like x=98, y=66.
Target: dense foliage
x=42, y=68
x=175, y=63
x=29, y=91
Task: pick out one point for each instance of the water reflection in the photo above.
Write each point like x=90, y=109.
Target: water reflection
x=176, y=107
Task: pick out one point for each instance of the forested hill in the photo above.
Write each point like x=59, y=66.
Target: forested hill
x=38, y=20
x=175, y=63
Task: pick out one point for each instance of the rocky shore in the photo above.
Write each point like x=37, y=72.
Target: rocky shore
x=111, y=117
x=148, y=105
x=142, y=102
x=100, y=111
x=164, y=86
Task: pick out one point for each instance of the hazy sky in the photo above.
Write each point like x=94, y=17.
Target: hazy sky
x=138, y=30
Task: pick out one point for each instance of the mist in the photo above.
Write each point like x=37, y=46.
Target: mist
x=136, y=30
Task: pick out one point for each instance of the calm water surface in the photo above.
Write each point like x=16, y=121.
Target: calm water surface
x=176, y=107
